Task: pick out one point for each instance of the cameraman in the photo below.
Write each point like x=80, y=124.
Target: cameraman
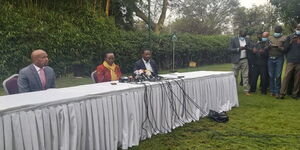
x=292, y=46
x=276, y=60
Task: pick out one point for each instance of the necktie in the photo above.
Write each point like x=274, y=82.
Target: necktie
x=43, y=78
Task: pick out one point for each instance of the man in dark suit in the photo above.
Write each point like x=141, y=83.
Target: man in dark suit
x=37, y=76
x=146, y=63
x=240, y=48
x=260, y=52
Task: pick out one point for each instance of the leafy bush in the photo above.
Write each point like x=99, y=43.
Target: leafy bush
x=82, y=39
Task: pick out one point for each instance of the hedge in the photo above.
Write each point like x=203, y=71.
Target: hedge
x=80, y=40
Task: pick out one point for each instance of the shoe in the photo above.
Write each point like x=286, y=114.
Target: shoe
x=279, y=96
x=294, y=97
x=247, y=94
x=273, y=95
x=264, y=93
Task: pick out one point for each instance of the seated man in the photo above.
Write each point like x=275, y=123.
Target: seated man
x=37, y=76
x=108, y=71
x=146, y=63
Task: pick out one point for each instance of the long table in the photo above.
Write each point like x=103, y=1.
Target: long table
x=104, y=116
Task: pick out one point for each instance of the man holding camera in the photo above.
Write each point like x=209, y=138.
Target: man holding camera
x=292, y=46
x=240, y=48
x=276, y=60
x=260, y=52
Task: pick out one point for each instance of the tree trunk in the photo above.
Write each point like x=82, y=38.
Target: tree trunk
x=156, y=27
x=100, y=7
x=107, y=7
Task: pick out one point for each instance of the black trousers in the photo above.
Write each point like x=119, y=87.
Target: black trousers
x=262, y=71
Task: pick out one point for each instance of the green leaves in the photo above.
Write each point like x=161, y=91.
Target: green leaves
x=82, y=40
x=289, y=11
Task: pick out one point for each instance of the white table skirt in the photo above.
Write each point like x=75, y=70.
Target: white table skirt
x=104, y=116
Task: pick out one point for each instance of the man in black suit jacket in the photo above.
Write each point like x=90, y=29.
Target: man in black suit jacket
x=36, y=76
x=146, y=63
x=240, y=48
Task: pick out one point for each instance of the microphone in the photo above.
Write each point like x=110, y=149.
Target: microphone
x=144, y=75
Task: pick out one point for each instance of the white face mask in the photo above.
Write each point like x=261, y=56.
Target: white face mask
x=297, y=32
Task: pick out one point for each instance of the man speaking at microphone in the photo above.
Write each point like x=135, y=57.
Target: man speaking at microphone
x=146, y=63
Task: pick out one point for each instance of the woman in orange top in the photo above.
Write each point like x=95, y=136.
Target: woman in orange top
x=108, y=71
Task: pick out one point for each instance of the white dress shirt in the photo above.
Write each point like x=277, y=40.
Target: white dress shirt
x=148, y=65
x=243, y=44
x=38, y=69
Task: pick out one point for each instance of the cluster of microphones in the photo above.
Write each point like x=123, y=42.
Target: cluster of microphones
x=140, y=76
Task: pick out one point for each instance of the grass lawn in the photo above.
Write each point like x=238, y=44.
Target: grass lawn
x=261, y=122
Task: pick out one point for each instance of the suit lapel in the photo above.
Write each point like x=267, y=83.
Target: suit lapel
x=36, y=76
x=47, y=76
x=143, y=64
x=152, y=65
x=238, y=42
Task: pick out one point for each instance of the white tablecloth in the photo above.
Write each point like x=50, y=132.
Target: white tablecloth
x=105, y=116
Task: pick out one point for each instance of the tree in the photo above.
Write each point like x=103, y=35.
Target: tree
x=289, y=10
x=107, y=7
x=257, y=18
x=193, y=26
x=205, y=16
x=141, y=11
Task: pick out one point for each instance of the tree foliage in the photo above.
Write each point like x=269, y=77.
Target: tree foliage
x=82, y=39
x=255, y=19
x=115, y=9
x=205, y=16
x=289, y=10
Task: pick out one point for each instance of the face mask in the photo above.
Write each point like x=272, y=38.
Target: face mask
x=242, y=38
x=298, y=32
x=264, y=39
x=277, y=34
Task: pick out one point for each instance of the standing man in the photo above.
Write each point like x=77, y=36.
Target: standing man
x=37, y=76
x=276, y=60
x=240, y=48
x=260, y=52
x=292, y=46
x=146, y=63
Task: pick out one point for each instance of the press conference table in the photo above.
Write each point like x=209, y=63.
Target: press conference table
x=103, y=116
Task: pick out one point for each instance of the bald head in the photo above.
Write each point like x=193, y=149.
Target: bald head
x=265, y=35
x=39, y=58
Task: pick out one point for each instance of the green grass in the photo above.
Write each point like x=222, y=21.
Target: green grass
x=261, y=122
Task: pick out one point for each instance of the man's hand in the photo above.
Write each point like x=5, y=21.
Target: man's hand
x=293, y=39
x=242, y=48
x=275, y=46
x=139, y=72
x=255, y=50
